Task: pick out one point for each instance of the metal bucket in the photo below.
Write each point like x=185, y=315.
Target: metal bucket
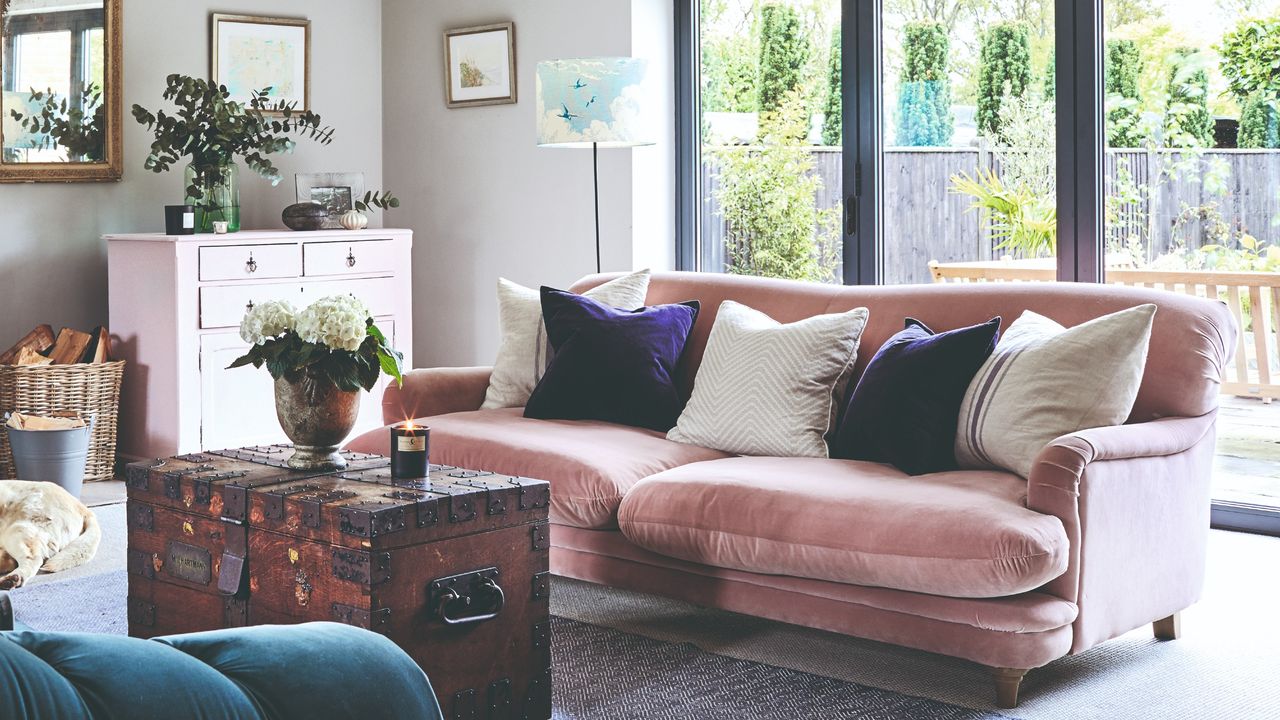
x=57, y=456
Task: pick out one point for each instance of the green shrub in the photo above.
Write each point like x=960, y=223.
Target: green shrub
x=924, y=88
x=1258, y=123
x=1123, y=67
x=1187, y=122
x=1004, y=71
x=784, y=51
x=831, y=109
x=1248, y=58
x=729, y=74
x=767, y=195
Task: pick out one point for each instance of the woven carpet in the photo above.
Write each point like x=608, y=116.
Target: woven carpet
x=600, y=673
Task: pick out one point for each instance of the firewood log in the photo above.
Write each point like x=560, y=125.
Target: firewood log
x=40, y=339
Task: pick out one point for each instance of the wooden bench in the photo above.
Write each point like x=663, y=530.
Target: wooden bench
x=1254, y=299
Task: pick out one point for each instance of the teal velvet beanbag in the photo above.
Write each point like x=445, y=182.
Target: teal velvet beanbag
x=269, y=672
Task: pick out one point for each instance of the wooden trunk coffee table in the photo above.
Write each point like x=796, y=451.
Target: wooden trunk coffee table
x=452, y=567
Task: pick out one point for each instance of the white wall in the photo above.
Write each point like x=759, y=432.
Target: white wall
x=483, y=199
x=53, y=265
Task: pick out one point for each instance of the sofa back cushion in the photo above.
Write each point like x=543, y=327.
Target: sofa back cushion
x=1192, y=339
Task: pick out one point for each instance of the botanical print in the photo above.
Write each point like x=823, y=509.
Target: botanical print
x=480, y=61
x=256, y=63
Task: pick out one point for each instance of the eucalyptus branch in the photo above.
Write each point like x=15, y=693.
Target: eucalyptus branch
x=377, y=199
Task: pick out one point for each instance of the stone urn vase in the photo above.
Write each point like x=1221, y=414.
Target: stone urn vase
x=316, y=416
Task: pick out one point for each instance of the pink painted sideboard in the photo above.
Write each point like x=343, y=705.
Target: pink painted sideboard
x=175, y=306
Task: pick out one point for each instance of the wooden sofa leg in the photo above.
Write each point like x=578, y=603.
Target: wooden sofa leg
x=1169, y=628
x=1008, y=680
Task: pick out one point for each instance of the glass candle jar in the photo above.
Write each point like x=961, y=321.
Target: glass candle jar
x=410, y=448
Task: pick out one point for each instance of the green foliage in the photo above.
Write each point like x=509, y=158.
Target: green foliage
x=212, y=129
x=1049, y=88
x=768, y=198
x=1004, y=71
x=377, y=199
x=1248, y=58
x=79, y=130
x=1020, y=203
x=832, y=108
x=924, y=89
x=729, y=74
x=784, y=51
x=1123, y=68
x=1187, y=122
x=1258, y=123
x=1023, y=221
x=293, y=359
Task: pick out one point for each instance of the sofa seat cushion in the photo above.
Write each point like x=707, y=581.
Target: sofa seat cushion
x=590, y=464
x=959, y=534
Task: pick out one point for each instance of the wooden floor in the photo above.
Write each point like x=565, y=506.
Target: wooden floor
x=1247, y=467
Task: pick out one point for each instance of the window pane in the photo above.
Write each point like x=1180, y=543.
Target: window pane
x=770, y=159
x=1193, y=202
x=969, y=166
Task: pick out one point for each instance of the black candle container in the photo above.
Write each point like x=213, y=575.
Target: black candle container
x=179, y=220
x=410, y=448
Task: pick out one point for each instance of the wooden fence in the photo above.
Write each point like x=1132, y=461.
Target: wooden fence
x=1253, y=297
x=923, y=221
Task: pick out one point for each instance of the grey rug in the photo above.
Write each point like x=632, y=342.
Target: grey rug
x=600, y=673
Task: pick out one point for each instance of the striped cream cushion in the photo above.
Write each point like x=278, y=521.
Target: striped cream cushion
x=765, y=388
x=1044, y=381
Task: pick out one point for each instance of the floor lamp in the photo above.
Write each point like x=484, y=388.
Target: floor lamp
x=591, y=103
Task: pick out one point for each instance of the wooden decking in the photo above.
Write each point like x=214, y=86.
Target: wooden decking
x=1247, y=467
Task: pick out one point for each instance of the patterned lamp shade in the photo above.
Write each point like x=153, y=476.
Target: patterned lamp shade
x=588, y=101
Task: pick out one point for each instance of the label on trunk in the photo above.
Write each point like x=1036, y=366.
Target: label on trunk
x=412, y=443
x=188, y=562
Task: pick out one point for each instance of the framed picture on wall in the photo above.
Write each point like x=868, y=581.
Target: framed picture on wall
x=255, y=53
x=336, y=191
x=480, y=65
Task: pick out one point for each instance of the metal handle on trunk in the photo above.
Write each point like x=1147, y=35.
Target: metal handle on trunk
x=450, y=596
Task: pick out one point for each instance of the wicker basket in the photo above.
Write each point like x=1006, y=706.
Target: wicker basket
x=93, y=390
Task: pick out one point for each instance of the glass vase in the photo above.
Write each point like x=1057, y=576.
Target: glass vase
x=214, y=190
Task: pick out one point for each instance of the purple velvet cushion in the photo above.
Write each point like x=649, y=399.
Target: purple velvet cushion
x=906, y=407
x=610, y=364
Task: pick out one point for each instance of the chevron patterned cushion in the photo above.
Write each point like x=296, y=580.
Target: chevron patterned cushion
x=765, y=388
x=1044, y=381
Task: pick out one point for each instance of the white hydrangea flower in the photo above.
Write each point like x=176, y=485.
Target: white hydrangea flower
x=338, y=322
x=267, y=320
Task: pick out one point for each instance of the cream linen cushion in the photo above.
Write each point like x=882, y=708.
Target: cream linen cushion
x=1044, y=381
x=765, y=388
x=524, y=352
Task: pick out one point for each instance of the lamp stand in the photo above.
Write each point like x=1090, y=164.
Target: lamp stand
x=595, y=185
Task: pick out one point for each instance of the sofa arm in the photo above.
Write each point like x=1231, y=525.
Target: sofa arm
x=1134, y=500
x=435, y=391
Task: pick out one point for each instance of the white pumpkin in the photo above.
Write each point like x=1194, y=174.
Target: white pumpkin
x=354, y=220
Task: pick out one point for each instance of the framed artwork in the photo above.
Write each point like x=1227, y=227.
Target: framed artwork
x=254, y=53
x=336, y=191
x=480, y=65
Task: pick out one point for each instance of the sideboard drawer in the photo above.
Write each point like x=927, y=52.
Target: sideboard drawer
x=348, y=258
x=225, y=305
x=377, y=293
x=249, y=262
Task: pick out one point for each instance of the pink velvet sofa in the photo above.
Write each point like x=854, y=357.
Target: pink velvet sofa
x=1108, y=534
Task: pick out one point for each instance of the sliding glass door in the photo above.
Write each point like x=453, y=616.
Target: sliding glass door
x=768, y=138
x=968, y=163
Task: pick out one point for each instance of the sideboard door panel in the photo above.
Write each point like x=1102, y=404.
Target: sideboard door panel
x=238, y=406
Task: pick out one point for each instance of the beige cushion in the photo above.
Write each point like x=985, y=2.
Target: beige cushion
x=956, y=534
x=523, y=354
x=1044, y=381
x=765, y=388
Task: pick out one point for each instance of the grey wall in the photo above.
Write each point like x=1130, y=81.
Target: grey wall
x=483, y=200
x=52, y=264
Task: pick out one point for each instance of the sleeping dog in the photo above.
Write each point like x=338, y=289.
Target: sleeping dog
x=42, y=527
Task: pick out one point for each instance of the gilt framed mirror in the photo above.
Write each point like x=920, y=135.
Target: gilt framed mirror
x=60, y=90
